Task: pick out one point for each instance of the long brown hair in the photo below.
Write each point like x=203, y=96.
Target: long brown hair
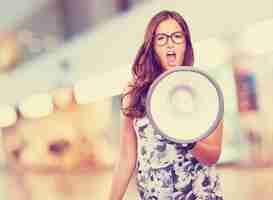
x=146, y=67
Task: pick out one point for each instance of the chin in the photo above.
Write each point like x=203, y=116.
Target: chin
x=172, y=66
x=167, y=67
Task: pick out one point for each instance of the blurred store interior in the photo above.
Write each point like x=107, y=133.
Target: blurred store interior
x=56, y=146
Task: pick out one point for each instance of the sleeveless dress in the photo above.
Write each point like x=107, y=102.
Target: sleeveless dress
x=166, y=170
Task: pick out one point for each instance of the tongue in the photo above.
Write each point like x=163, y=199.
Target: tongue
x=171, y=59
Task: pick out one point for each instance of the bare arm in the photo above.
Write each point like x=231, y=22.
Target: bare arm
x=208, y=150
x=126, y=162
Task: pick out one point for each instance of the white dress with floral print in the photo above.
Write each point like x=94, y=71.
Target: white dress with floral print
x=168, y=171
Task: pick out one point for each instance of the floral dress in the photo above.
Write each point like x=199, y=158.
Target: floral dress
x=168, y=171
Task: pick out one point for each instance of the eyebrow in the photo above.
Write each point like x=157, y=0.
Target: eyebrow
x=171, y=33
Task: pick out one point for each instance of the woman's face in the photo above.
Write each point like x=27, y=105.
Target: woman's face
x=169, y=44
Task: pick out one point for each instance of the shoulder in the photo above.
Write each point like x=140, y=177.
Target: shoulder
x=126, y=93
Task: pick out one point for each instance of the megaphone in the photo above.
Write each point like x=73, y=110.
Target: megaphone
x=185, y=104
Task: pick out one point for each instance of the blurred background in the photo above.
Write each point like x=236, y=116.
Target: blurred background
x=55, y=147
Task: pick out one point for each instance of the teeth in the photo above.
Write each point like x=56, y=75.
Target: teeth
x=170, y=52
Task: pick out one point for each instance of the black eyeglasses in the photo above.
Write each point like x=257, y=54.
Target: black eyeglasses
x=161, y=39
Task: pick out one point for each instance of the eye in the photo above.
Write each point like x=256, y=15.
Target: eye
x=178, y=35
x=160, y=37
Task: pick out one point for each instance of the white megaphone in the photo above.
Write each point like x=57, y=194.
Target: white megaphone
x=185, y=104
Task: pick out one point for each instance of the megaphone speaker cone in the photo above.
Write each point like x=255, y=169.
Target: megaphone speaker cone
x=185, y=104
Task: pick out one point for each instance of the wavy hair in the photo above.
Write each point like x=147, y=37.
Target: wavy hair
x=146, y=67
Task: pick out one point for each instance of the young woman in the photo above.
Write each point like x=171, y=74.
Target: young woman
x=165, y=170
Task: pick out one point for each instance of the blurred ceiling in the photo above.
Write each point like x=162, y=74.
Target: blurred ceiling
x=213, y=14
x=13, y=12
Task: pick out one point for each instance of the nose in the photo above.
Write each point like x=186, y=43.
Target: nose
x=170, y=43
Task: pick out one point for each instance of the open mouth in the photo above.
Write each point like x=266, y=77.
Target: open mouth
x=171, y=57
